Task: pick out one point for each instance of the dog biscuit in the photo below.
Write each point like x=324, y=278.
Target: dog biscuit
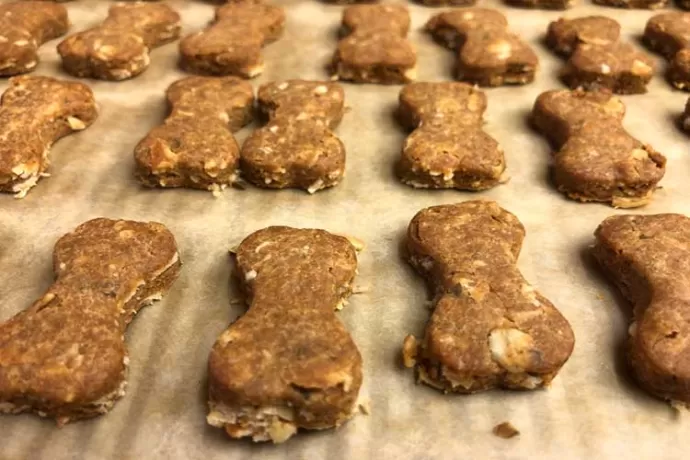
x=669, y=35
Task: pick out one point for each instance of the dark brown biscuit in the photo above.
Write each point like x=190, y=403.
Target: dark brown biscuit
x=119, y=48
x=648, y=258
x=375, y=49
x=297, y=148
x=24, y=27
x=65, y=356
x=685, y=118
x=447, y=148
x=288, y=363
x=195, y=147
x=488, y=54
x=489, y=327
x=596, y=159
x=669, y=35
x=597, y=59
x=232, y=44
x=641, y=4
x=34, y=113
x=543, y=4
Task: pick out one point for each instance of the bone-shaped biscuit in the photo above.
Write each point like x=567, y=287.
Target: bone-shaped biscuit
x=288, y=363
x=648, y=258
x=596, y=159
x=489, y=327
x=638, y=4
x=296, y=148
x=597, y=59
x=375, y=48
x=119, y=48
x=24, y=27
x=669, y=35
x=488, y=54
x=65, y=357
x=34, y=113
x=447, y=148
x=543, y=4
x=232, y=44
x=195, y=147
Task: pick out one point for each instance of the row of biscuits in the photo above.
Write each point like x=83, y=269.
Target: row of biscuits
x=374, y=48
x=288, y=363
x=595, y=158
x=544, y=4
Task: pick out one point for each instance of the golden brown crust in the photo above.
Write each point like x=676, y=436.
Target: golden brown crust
x=296, y=148
x=195, y=147
x=375, y=49
x=231, y=45
x=648, y=258
x=34, y=113
x=119, y=48
x=448, y=148
x=288, y=363
x=65, y=357
x=489, y=327
x=24, y=27
x=596, y=159
x=488, y=54
x=669, y=35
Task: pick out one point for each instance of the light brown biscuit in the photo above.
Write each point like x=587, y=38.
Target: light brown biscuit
x=24, y=27
x=648, y=259
x=669, y=35
x=34, y=113
x=232, y=44
x=374, y=49
x=288, y=363
x=65, y=356
x=119, y=48
x=296, y=148
x=596, y=159
x=447, y=2
x=447, y=147
x=597, y=59
x=195, y=147
x=489, y=327
x=488, y=54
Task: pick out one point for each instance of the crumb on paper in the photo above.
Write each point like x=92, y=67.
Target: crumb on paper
x=505, y=430
x=364, y=407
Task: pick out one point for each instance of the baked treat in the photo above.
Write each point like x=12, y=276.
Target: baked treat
x=669, y=35
x=447, y=2
x=24, y=27
x=685, y=118
x=648, y=259
x=641, y=4
x=488, y=54
x=34, y=113
x=542, y=4
x=296, y=148
x=288, y=363
x=65, y=356
x=375, y=48
x=596, y=159
x=597, y=59
x=195, y=147
x=447, y=147
x=119, y=48
x=489, y=328
x=231, y=44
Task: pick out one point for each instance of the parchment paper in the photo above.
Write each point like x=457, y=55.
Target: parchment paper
x=592, y=410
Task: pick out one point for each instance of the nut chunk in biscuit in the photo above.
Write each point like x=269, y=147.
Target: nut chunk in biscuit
x=65, y=356
x=488, y=54
x=489, y=327
x=119, y=48
x=24, y=27
x=447, y=147
x=597, y=59
x=289, y=362
x=596, y=159
x=34, y=113
x=296, y=148
x=648, y=258
x=195, y=146
x=669, y=35
x=232, y=44
x=375, y=48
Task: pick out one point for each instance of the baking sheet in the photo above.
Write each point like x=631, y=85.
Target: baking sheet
x=592, y=410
